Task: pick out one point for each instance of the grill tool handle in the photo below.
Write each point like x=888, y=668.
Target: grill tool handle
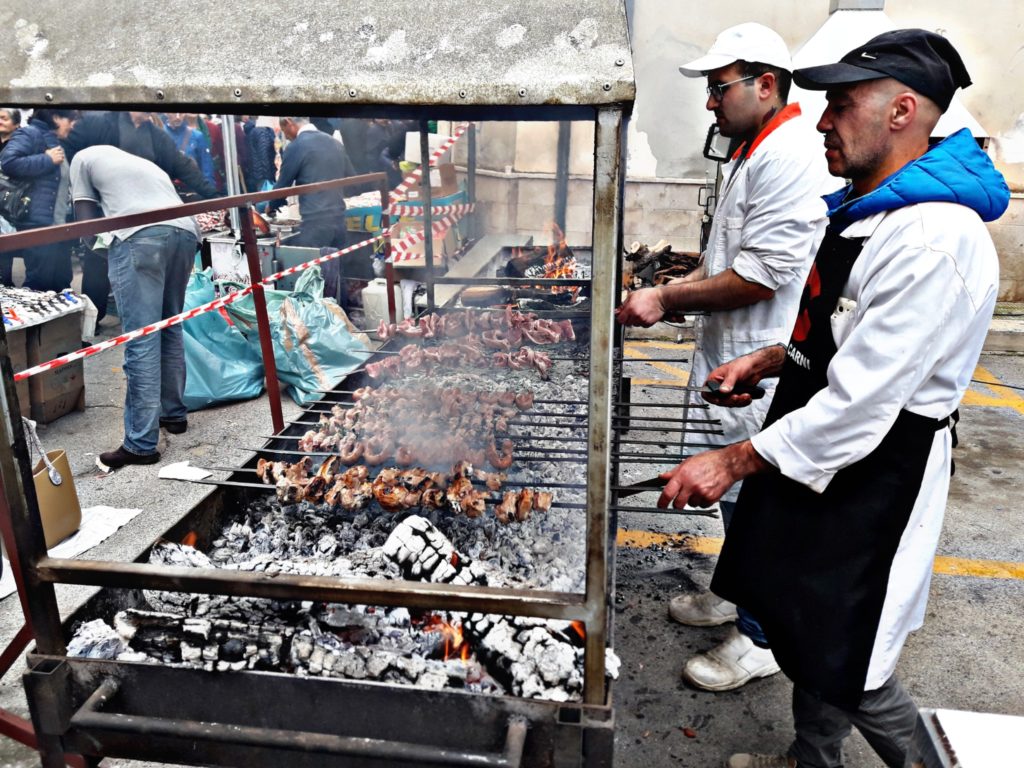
x=88, y=717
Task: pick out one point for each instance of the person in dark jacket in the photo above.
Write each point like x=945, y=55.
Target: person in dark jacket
x=262, y=153
x=34, y=152
x=215, y=132
x=192, y=142
x=137, y=134
x=313, y=156
x=10, y=121
x=310, y=157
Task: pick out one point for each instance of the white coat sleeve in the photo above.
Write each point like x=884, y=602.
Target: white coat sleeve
x=782, y=211
x=912, y=305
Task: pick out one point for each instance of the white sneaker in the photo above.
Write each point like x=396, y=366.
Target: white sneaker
x=744, y=760
x=730, y=665
x=702, y=610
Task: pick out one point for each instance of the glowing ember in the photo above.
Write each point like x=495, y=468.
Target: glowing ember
x=455, y=645
x=580, y=629
x=190, y=539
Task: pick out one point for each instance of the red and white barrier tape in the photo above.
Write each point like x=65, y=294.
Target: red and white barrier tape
x=412, y=178
x=223, y=301
x=459, y=209
x=400, y=251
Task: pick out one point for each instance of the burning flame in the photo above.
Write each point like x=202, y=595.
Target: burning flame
x=190, y=539
x=559, y=263
x=455, y=645
x=579, y=628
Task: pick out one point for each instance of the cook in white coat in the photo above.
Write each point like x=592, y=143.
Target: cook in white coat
x=768, y=222
x=845, y=488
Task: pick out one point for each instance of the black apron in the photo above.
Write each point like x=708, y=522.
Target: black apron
x=813, y=568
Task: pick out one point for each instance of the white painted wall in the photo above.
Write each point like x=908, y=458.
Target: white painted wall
x=670, y=119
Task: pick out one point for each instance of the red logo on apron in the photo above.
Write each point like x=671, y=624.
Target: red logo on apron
x=812, y=289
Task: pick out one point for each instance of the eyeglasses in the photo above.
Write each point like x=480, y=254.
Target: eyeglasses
x=717, y=91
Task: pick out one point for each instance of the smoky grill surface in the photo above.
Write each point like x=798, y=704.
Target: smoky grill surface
x=484, y=653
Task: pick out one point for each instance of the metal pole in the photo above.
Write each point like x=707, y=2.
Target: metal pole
x=19, y=515
x=227, y=135
x=473, y=231
x=262, y=320
x=562, y=172
x=385, y=228
x=609, y=174
x=428, y=220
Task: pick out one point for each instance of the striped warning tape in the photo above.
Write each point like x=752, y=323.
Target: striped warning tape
x=400, y=251
x=460, y=209
x=223, y=301
x=414, y=177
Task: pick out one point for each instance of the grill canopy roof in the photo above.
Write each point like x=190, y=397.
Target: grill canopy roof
x=473, y=58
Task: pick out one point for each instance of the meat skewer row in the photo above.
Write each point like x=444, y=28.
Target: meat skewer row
x=506, y=328
x=396, y=489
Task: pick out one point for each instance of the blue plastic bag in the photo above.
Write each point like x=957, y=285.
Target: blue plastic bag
x=314, y=344
x=220, y=364
x=266, y=186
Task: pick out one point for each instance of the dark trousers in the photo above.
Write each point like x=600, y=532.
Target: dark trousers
x=47, y=267
x=95, y=281
x=325, y=233
x=886, y=717
x=7, y=267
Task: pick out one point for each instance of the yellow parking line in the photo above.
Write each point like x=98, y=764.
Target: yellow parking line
x=993, y=397
x=686, y=346
x=712, y=545
x=986, y=569
x=666, y=367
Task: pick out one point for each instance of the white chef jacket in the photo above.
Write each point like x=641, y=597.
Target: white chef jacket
x=916, y=309
x=767, y=227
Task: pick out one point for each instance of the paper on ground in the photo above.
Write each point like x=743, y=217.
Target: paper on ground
x=182, y=471
x=98, y=524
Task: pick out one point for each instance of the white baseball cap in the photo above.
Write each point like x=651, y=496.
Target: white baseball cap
x=750, y=42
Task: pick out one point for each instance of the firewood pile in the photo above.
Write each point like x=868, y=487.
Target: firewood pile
x=656, y=265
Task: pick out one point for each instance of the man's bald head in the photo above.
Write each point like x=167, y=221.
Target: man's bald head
x=873, y=128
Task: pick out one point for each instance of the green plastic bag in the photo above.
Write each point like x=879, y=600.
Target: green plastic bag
x=315, y=345
x=220, y=364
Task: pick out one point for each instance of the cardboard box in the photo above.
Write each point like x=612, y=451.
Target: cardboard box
x=443, y=182
x=61, y=390
x=444, y=246
x=17, y=350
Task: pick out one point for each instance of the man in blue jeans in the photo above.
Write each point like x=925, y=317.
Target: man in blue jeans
x=149, y=268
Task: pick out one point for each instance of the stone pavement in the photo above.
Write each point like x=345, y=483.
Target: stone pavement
x=967, y=656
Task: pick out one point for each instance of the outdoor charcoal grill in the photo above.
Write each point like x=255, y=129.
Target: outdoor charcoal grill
x=101, y=707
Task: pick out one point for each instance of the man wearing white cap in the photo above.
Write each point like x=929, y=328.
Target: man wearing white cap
x=769, y=220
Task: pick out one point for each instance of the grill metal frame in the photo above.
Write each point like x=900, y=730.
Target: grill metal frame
x=65, y=694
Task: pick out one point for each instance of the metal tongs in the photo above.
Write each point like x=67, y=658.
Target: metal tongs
x=711, y=388
x=656, y=484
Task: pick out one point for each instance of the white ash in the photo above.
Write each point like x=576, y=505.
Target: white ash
x=424, y=553
x=528, y=657
x=96, y=640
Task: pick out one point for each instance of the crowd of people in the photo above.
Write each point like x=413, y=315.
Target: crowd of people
x=189, y=148
x=78, y=166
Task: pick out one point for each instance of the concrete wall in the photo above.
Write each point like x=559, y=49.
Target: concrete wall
x=669, y=123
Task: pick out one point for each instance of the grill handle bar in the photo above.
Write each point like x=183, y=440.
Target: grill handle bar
x=90, y=717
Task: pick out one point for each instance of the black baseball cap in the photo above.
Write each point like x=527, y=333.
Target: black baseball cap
x=922, y=60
